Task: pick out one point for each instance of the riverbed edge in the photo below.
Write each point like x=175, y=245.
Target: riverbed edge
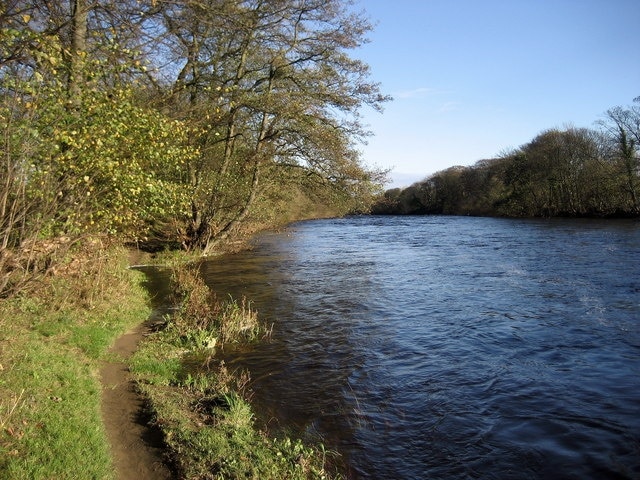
x=202, y=408
x=56, y=340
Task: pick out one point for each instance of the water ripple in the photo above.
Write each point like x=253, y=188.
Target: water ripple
x=450, y=347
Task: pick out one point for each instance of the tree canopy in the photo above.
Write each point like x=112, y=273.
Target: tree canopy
x=179, y=121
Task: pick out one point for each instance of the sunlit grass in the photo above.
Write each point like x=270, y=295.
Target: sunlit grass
x=51, y=342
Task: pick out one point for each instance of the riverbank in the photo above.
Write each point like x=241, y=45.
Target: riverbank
x=202, y=408
x=65, y=382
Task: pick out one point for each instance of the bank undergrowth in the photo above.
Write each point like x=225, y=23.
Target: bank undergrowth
x=53, y=338
x=201, y=406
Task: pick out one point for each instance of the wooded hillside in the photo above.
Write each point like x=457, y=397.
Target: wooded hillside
x=573, y=172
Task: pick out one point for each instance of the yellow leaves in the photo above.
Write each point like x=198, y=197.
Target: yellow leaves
x=114, y=165
x=26, y=18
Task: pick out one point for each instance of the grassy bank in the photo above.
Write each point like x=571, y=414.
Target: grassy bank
x=201, y=406
x=53, y=338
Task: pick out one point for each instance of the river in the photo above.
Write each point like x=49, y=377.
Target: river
x=449, y=347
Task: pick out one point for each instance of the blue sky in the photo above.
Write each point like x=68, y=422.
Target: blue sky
x=474, y=78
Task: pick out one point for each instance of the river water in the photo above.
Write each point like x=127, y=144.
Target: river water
x=449, y=347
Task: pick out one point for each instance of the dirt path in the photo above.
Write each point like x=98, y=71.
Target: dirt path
x=136, y=448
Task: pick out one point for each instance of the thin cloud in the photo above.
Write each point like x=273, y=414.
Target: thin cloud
x=421, y=92
x=449, y=107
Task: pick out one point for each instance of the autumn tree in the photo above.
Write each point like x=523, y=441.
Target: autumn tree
x=79, y=153
x=571, y=172
x=277, y=97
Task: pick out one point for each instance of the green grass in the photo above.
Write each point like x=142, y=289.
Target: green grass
x=52, y=340
x=57, y=432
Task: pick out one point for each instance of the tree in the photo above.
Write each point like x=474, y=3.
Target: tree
x=122, y=117
x=277, y=93
x=622, y=126
x=76, y=144
x=560, y=172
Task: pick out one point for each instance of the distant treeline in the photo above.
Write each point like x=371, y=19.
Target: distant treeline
x=574, y=172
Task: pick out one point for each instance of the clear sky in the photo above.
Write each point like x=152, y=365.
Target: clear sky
x=474, y=78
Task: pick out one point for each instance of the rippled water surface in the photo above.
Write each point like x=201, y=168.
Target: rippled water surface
x=450, y=347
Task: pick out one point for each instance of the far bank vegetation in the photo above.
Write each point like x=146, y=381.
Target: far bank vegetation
x=572, y=172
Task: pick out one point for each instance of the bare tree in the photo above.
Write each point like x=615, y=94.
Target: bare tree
x=276, y=90
x=622, y=125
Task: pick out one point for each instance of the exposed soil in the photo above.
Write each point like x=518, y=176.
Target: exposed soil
x=136, y=448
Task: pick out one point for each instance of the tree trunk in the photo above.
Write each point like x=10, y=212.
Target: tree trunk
x=212, y=242
x=79, y=15
x=255, y=181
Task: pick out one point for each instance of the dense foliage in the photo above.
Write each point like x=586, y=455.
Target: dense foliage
x=176, y=121
x=571, y=172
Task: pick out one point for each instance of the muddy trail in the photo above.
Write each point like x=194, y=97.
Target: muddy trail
x=136, y=448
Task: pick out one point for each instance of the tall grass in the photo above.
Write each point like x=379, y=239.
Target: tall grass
x=202, y=315
x=201, y=406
